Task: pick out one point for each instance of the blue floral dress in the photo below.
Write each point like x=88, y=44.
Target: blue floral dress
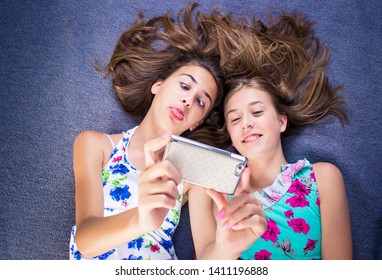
x=120, y=189
x=292, y=209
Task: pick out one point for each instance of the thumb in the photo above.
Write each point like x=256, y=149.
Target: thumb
x=219, y=198
x=152, y=148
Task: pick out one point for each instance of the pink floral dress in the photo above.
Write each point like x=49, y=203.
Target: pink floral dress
x=292, y=209
x=120, y=189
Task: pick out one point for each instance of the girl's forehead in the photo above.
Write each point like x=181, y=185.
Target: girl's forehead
x=248, y=95
x=191, y=68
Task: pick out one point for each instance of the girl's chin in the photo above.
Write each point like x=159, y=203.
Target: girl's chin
x=246, y=150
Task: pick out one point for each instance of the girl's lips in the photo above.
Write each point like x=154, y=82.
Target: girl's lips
x=176, y=113
x=251, y=137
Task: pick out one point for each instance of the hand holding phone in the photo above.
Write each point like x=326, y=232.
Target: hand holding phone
x=204, y=165
x=156, y=181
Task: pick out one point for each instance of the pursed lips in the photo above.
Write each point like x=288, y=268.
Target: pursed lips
x=176, y=113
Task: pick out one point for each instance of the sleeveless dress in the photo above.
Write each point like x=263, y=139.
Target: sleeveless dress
x=120, y=189
x=292, y=210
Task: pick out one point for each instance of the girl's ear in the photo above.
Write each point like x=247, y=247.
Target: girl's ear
x=156, y=86
x=283, y=122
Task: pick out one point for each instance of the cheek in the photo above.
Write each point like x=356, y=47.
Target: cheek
x=196, y=115
x=234, y=134
x=274, y=128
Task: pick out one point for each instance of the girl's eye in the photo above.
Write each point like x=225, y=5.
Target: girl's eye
x=201, y=103
x=235, y=120
x=257, y=113
x=184, y=86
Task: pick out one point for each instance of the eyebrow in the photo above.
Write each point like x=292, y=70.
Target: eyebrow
x=252, y=103
x=194, y=80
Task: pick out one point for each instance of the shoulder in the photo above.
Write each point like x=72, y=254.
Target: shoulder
x=89, y=143
x=95, y=138
x=88, y=135
x=328, y=177
x=94, y=143
x=89, y=139
x=326, y=169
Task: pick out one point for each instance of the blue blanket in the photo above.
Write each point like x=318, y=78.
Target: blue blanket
x=50, y=92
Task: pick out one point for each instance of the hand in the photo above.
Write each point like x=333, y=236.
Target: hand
x=157, y=185
x=241, y=220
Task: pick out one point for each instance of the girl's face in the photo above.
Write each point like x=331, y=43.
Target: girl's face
x=253, y=123
x=184, y=98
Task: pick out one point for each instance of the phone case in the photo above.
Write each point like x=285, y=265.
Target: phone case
x=204, y=165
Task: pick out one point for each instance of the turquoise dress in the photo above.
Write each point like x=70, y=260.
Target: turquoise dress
x=120, y=190
x=292, y=209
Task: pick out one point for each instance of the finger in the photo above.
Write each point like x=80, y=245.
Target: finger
x=163, y=170
x=219, y=198
x=243, y=212
x=167, y=187
x=257, y=224
x=238, y=208
x=151, y=148
x=244, y=184
x=157, y=201
x=237, y=202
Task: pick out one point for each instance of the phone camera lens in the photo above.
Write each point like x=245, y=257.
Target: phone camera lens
x=239, y=169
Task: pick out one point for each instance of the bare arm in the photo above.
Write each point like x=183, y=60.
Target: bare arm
x=227, y=233
x=335, y=217
x=203, y=224
x=97, y=234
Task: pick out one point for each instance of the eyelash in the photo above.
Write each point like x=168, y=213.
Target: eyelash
x=201, y=103
x=256, y=113
x=184, y=86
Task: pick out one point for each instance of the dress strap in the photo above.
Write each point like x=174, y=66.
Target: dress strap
x=111, y=140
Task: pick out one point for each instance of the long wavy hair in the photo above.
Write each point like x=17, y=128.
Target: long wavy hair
x=152, y=49
x=286, y=59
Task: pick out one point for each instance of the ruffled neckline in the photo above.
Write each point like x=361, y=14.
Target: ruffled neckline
x=272, y=194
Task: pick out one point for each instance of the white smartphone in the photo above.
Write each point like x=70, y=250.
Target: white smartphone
x=204, y=165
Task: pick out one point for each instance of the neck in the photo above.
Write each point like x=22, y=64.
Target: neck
x=146, y=131
x=265, y=170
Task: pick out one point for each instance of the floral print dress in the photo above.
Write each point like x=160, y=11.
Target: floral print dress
x=120, y=189
x=292, y=209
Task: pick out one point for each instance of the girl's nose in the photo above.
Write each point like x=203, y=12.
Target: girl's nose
x=186, y=103
x=247, y=122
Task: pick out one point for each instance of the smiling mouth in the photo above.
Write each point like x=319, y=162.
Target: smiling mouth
x=250, y=138
x=176, y=113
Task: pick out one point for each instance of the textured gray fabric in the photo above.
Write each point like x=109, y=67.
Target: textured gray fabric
x=50, y=92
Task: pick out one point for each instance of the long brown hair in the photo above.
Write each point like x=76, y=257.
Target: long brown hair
x=153, y=49
x=285, y=58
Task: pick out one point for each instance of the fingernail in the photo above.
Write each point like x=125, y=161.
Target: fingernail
x=166, y=134
x=220, y=215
